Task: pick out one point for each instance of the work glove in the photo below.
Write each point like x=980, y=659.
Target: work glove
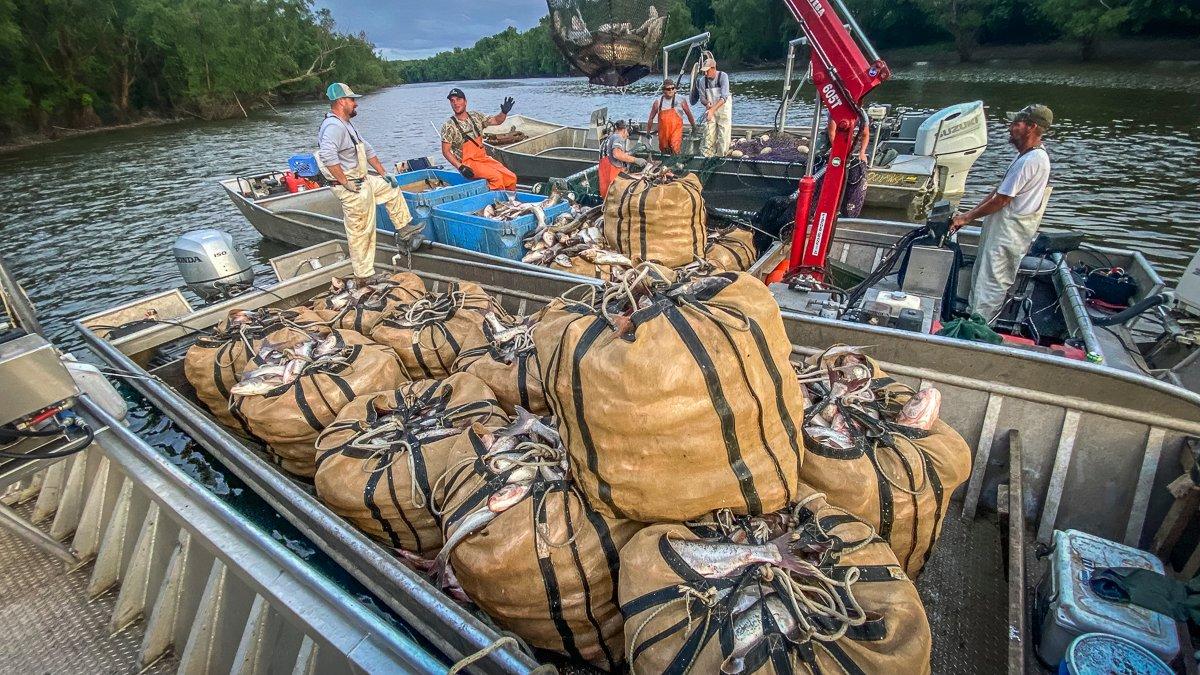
x=507, y=105
x=466, y=171
x=352, y=186
x=639, y=161
x=391, y=180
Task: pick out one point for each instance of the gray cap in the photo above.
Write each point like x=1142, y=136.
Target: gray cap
x=1036, y=113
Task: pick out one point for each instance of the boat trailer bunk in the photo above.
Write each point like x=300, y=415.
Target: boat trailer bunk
x=1096, y=449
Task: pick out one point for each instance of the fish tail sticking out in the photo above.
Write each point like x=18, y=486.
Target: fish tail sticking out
x=791, y=556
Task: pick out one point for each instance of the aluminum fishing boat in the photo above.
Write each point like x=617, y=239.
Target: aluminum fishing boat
x=1057, y=444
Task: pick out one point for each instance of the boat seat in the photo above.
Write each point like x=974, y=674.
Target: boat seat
x=1037, y=265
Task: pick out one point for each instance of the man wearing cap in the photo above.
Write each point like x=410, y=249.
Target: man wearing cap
x=462, y=142
x=615, y=156
x=1011, y=213
x=343, y=157
x=712, y=91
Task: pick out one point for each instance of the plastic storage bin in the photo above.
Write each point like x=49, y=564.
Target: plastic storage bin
x=1072, y=609
x=420, y=204
x=456, y=224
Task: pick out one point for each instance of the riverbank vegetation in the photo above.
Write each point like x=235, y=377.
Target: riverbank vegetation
x=79, y=64
x=754, y=32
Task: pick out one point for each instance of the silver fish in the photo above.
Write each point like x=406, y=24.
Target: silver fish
x=749, y=631
x=304, y=350
x=508, y=496
x=922, y=409
x=474, y=522
x=255, y=386
x=539, y=215
x=829, y=437
x=721, y=559
x=326, y=346
x=269, y=370
x=526, y=424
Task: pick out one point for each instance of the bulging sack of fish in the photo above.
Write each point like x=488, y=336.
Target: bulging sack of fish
x=216, y=361
x=877, y=449
x=525, y=547
x=506, y=362
x=356, y=305
x=731, y=250
x=808, y=590
x=429, y=333
x=656, y=219
x=378, y=461
x=675, y=395
x=299, y=390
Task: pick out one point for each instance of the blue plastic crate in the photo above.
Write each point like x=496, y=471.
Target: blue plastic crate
x=305, y=165
x=420, y=204
x=456, y=224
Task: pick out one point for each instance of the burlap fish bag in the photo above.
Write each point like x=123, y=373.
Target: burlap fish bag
x=897, y=478
x=429, y=333
x=289, y=417
x=655, y=220
x=702, y=601
x=215, y=362
x=679, y=406
x=545, y=566
x=378, y=461
x=351, y=305
x=507, y=363
x=731, y=250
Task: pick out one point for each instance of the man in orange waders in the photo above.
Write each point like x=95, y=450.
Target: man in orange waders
x=614, y=156
x=462, y=143
x=670, y=125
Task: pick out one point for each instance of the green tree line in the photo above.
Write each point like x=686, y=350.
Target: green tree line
x=748, y=32
x=71, y=64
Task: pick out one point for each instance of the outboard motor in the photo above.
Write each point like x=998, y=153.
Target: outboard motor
x=210, y=265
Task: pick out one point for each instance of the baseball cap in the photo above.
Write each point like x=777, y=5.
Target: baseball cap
x=340, y=90
x=456, y=92
x=1036, y=113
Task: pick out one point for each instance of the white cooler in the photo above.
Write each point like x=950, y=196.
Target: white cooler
x=1072, y=609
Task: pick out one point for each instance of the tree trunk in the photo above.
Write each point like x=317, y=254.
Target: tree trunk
x=1087, y=48
x=965, y=46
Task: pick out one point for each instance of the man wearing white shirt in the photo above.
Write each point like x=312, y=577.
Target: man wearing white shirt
x=1011, y=213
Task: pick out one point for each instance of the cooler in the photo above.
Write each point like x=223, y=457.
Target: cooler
x=1072, y=609
x=421, y=195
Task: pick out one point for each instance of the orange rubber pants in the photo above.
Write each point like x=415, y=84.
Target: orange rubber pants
x=497, y=175
x=670, y=131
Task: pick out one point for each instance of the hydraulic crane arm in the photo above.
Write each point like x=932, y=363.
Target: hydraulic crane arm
x=843, y=76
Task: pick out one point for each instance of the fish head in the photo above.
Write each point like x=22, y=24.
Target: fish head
x=255, y=386
x=507, y=497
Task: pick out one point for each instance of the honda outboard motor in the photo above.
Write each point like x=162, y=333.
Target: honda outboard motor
x=211, y=266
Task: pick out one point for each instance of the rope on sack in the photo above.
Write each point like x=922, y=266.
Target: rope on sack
x=707, y=597
x=505, y=640
x=924, y=472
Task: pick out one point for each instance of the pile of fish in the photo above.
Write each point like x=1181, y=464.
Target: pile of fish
x=282, y=365
x=775, y=146
x=573, y=237
x=512, y=208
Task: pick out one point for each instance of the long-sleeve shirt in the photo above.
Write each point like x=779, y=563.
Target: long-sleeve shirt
x=335, y=141
x=708, y=91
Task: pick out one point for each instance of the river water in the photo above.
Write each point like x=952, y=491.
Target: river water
x=91, y=220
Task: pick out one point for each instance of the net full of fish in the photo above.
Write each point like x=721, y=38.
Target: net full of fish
x=524, y=545
x=290, y=393
x=378, y=461
x=574, y=241
x=806, y=589
x=877, y=449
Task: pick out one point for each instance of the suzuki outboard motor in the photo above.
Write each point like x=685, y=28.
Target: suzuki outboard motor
x=210, y=266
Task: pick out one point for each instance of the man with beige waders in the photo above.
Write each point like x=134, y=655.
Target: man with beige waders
x=1011, y=213
x=712, y=91
x=343, y=156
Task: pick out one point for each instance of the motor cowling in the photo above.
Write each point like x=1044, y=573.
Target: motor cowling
x=210, y=264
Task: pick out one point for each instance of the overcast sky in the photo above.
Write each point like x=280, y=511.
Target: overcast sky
x=407, y=29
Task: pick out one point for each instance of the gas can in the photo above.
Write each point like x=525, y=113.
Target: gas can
x=1072, y=608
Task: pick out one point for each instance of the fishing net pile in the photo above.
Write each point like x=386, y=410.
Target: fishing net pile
x=636, y=476
x=613, y=42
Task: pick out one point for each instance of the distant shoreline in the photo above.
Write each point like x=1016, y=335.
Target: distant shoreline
x=25, y=141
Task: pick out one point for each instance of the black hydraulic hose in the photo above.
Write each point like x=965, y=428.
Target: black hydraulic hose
x=71, y=447
x=886, y=265
x=1147, y=303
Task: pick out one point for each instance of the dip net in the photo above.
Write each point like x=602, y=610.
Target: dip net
x=613, y=42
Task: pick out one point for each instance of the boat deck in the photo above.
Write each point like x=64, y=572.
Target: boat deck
x=50, y=624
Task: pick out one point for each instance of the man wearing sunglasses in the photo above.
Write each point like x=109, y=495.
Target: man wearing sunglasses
x=1011, y=213
x=670, y=125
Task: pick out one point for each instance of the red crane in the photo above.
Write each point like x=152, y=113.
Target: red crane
x=843, y=76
